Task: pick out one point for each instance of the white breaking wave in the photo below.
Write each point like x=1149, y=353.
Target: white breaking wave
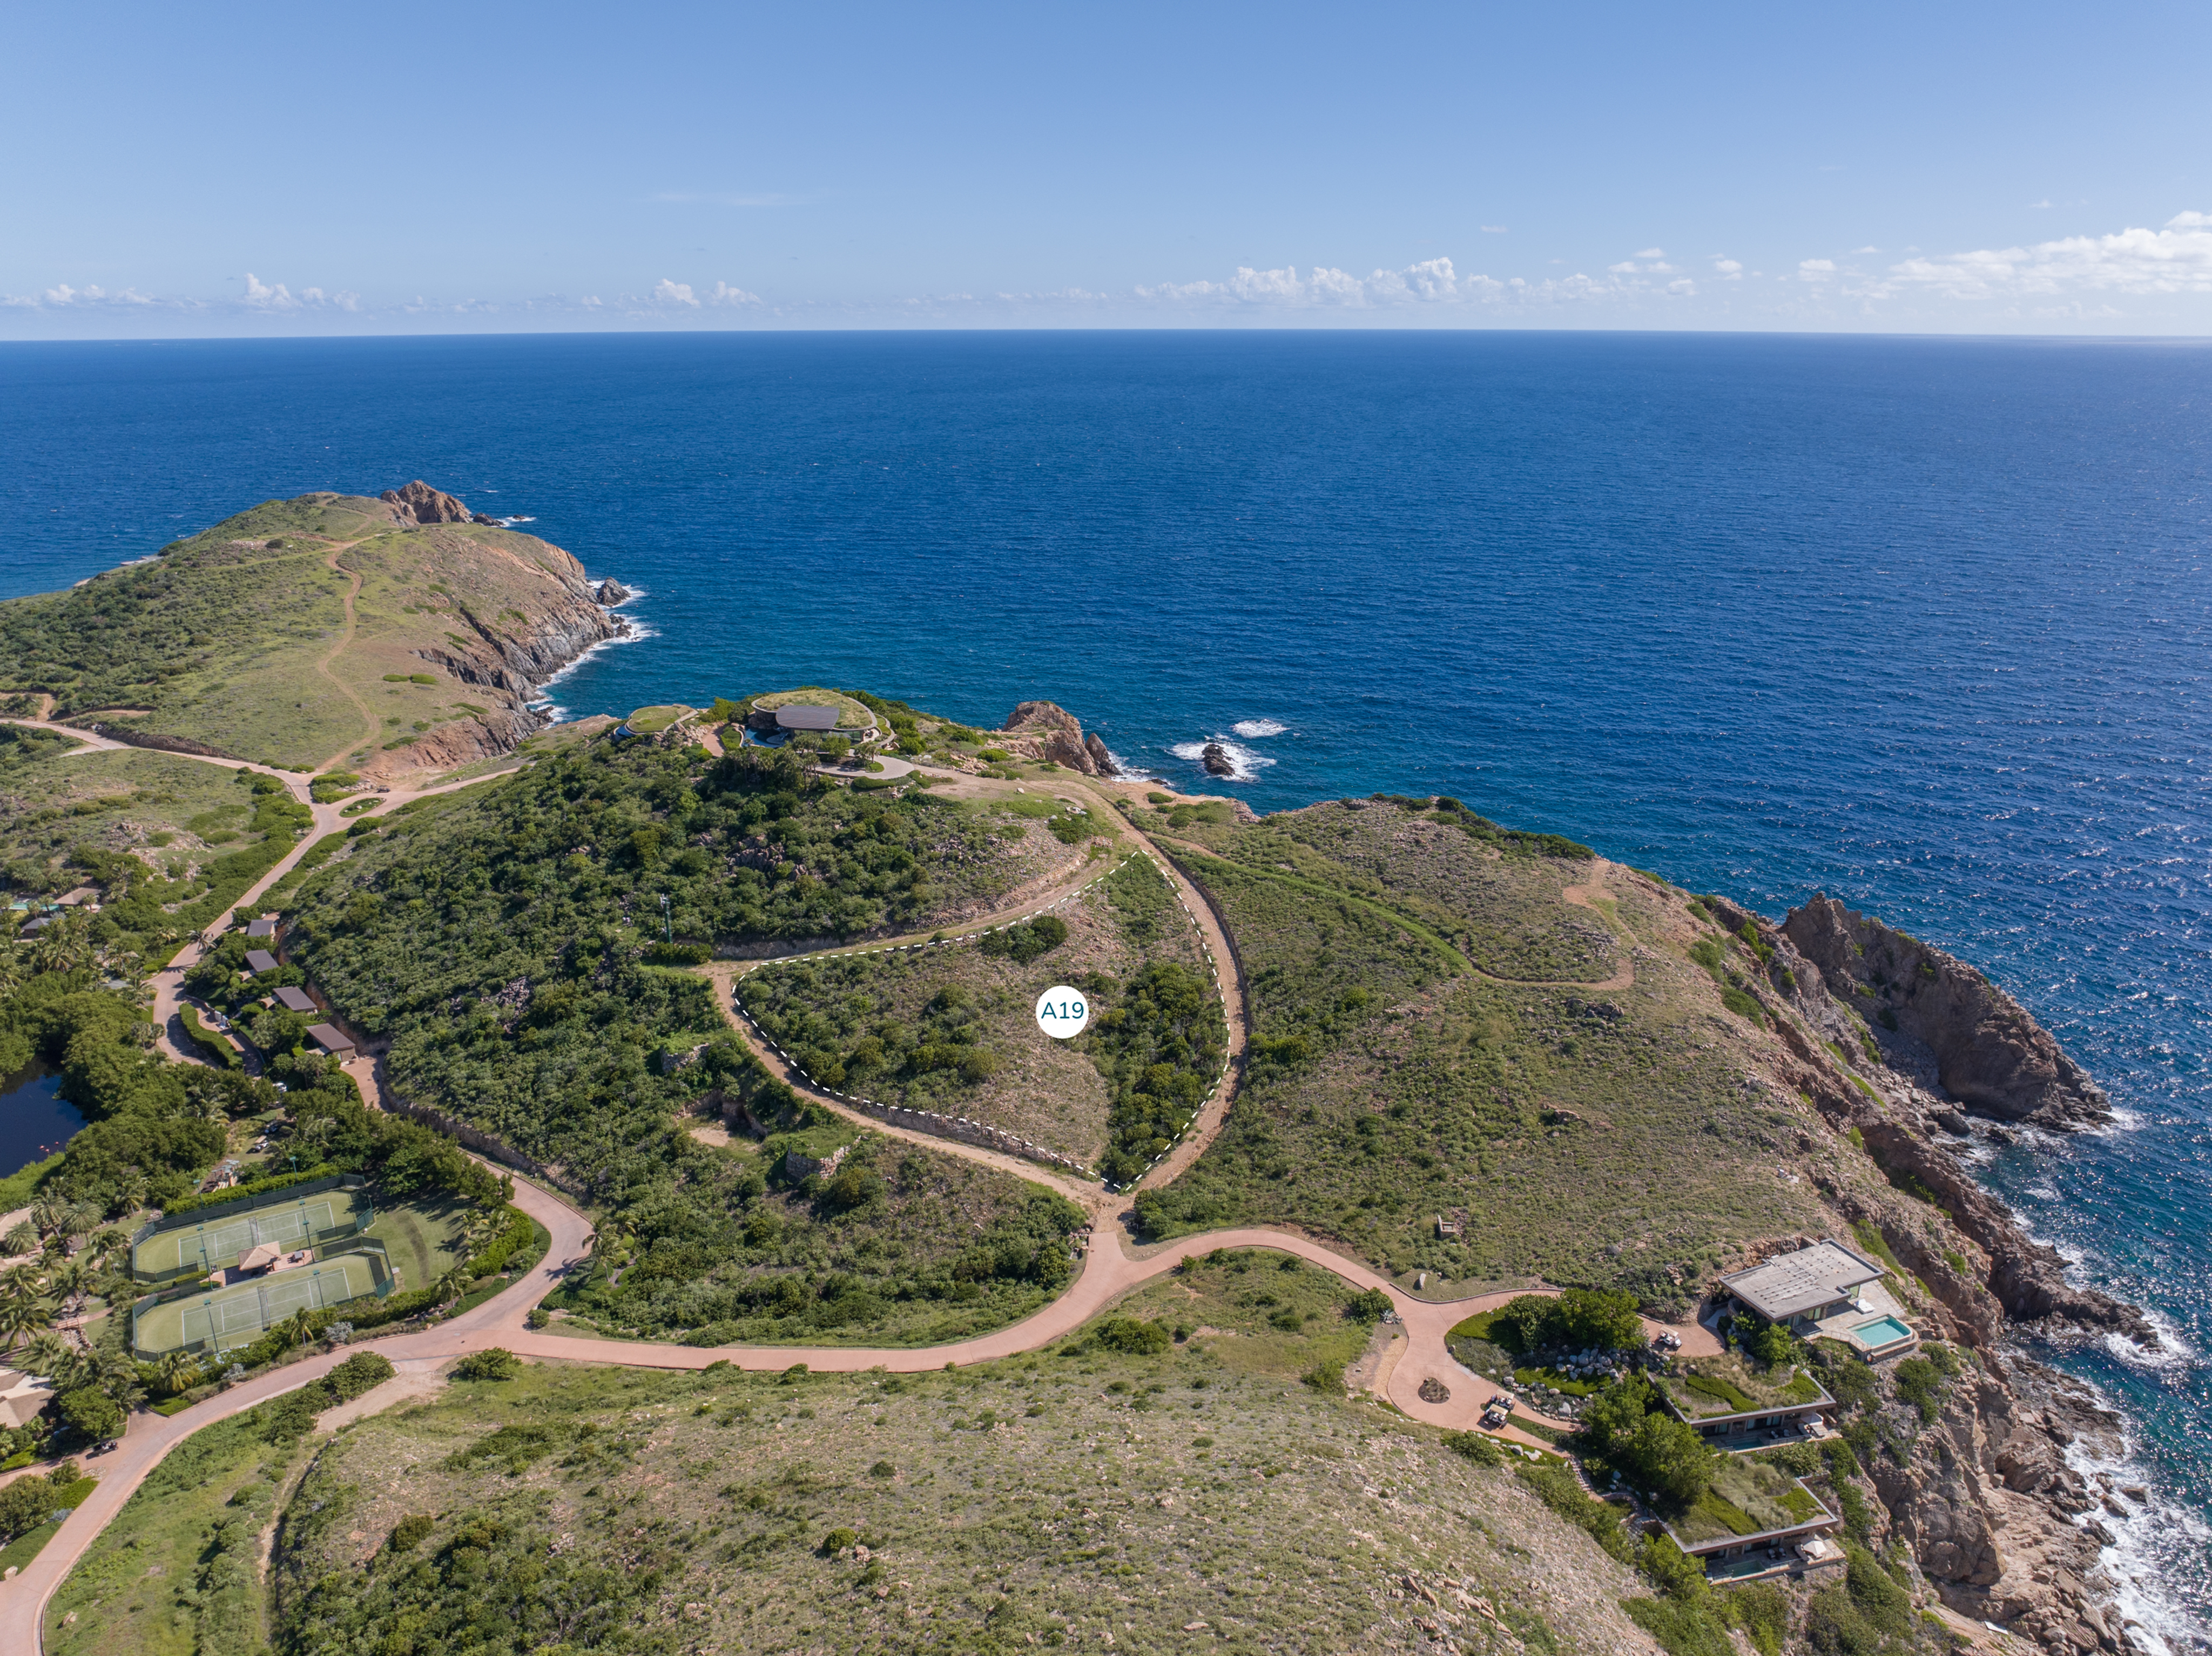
x=509, y=523
x=554, y=712
x=1254, y=729
x=1243, y=764
x=2152, y=1544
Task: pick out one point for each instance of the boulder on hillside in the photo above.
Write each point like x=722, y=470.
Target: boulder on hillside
x=1043, y=715
x=612, y=592
x=1099, y=757
x=1065, y=748
x=1216, y=760
x=419, y=503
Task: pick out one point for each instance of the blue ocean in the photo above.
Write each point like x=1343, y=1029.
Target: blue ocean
x=1920, y=623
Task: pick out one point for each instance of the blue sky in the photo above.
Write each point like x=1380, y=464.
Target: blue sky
x=226, y=170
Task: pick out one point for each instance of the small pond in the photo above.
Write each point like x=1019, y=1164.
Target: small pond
x=35, y=1121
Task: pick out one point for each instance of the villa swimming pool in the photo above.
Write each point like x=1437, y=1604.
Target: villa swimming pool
x=1882, y=1332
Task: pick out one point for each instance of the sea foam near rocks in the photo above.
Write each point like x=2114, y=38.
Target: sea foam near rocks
x=1253, y=729
x=1243, y=763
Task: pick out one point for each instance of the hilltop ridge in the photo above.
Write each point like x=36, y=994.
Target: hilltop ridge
x=385, y=636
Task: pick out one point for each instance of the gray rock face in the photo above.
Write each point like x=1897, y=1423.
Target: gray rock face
x=612, y=592
x=1988, y=1053
x=1102, y=761
x=1216, y=760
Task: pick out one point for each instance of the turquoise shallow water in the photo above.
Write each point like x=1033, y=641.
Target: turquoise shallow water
x=1920, y=623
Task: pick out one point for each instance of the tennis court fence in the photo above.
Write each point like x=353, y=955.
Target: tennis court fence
x=202, y=1321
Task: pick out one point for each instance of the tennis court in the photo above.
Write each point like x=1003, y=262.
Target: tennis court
x=227, y=1317
x=299, y=1222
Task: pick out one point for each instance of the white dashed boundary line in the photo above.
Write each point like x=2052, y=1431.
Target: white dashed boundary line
x=1018, y=1146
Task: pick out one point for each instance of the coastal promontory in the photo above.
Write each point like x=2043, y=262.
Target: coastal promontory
x=387, y=637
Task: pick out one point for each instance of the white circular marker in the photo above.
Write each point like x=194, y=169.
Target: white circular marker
x=1062, y=1011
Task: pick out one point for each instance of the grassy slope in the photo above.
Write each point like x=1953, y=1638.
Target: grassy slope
x=173, y=1575
x=219, y=639
x=1046, y=1091
x=1042, y=1501
x=1590, y=1137
x=49, y=805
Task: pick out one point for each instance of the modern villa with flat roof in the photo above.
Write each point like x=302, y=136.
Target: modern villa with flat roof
x=793, y=719
x=1829, y=1289
x=259, y=960
x=295, y=1000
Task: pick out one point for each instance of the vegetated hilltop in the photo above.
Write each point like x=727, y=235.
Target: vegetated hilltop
x=1476, y=1053
x=509, y=943
x=237, y=641
x=1598, y=1079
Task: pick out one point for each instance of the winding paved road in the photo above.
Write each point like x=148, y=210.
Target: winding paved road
x=1113, y=1268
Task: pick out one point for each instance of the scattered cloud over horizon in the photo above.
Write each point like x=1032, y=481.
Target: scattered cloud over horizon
x=2175, y=258
x=2065, y=279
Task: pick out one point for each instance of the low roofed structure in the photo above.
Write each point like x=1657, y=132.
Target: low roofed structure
x=295, y=1000
x=1814, y=1282
x=800, y=717
x=262, y=927
x=259, y=960
x=331, y=1040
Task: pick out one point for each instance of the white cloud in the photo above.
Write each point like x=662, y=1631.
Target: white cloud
x=263, y=298
x=2037, y=206
x=1856, y=252
x=1653, y=252
x=726, y=294
x=665, y=292
x=1432, y=284
x=1493, y=229
x=1815, y=270
x=2176, y=258
x=1729, y=270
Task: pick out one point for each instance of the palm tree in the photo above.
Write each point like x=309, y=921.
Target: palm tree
x=180, y=1372
x=50, y=1354
x=130, y=1193
x=64, y=945
x=299, y=1328
x=11, y=972
x=46, y=1214
x=72, y=1281
x=80, y=1219
x=21, y=1286
x=20, y=1319
x=19, y=1241
x=452, y=1284
x=116, y=1375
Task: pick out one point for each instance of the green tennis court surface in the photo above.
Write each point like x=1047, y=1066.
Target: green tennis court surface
x=233, y=1316
x=294, y=1224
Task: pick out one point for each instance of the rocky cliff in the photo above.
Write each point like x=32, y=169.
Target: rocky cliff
x=1942, y=1020
x=419, y=503
x=1982, y=1494
x=1045, y=730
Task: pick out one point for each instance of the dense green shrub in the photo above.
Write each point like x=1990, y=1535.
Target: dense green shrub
x=492, y=1363
x=1027, y=940
x=1133, y=1335
x=1629, y=1425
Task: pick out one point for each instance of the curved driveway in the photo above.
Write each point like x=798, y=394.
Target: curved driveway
x=1111, y=1271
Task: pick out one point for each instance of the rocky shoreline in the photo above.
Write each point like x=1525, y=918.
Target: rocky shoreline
x=2001, y=1524
x=510, y=661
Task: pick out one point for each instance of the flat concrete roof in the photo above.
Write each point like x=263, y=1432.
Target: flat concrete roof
x=806, y=719
x=1804, y=1281
x=260, y=960
x=329, y=1038
x=261, y=928
x=295, y=1000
